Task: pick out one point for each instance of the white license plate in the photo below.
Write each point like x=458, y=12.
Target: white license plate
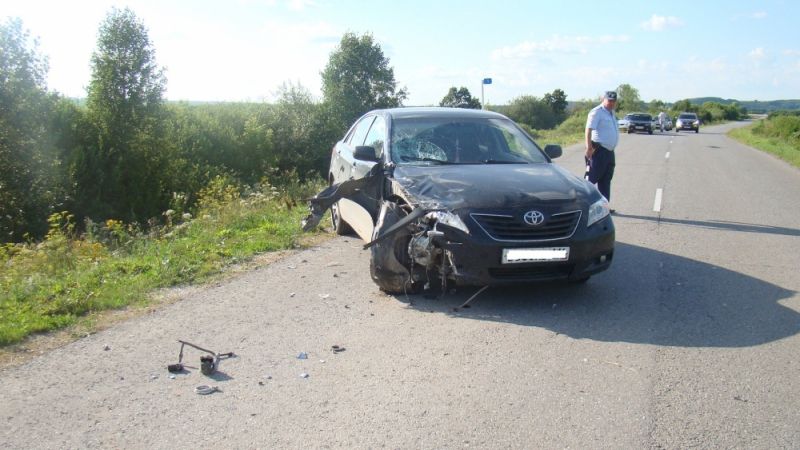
x=525, y=255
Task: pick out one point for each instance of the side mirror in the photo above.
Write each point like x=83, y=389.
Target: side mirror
x=365, y=153
x=553, y=150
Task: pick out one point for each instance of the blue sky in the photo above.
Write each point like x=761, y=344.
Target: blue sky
x=245, y=49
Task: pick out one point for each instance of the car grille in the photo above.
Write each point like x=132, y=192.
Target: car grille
x=532, y=273
x=513, y=228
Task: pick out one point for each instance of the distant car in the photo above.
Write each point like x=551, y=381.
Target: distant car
x=454, y=197
x=667, y=124
x=687, y=121
x=639, y=122
x=623, y=123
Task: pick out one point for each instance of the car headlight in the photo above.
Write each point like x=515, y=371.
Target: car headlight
x=449, y=219
x=679, y=123
x=598, y=211
x=697, y=122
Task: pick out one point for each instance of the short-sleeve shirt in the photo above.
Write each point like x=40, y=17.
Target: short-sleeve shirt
x=605, y=130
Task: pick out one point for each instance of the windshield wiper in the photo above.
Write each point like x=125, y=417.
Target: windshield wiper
x=502, y=161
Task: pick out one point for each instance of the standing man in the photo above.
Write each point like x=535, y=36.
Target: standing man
x=602, y=135
x=662, y=121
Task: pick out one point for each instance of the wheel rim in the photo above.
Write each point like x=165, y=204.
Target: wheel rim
x=335, y=216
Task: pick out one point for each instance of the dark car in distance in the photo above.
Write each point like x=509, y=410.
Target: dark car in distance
x=687, y=121
x=639, y=122
x=447, y=197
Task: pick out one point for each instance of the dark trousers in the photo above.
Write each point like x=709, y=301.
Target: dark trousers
x=600, y=169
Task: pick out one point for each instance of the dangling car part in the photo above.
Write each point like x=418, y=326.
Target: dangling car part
x=452, y=197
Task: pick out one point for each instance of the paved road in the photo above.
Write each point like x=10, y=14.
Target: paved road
x=690, y=340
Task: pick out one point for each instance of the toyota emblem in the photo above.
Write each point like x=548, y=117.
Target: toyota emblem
x=533, y=218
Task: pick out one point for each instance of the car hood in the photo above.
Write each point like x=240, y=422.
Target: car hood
x=487, y=186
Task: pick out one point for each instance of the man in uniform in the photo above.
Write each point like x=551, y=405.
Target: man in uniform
x=602, y=136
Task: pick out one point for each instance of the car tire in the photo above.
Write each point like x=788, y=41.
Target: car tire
x=697, y=130
x=388, y=266
x=340, y=227
x=649, y=131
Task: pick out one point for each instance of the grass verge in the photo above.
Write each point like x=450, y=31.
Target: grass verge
x=775, y=146
x=55, y=283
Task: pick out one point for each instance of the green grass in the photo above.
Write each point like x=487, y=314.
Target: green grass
x=777, y=146
x=55, y=283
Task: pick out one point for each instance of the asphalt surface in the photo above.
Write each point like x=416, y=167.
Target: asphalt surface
x=689, y=340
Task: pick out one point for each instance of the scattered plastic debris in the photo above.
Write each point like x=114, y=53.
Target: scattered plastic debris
x=172, y=376
x=153, y=377
x=302, y=355
x=291, y=294
x=106, y=347
x=205, y=389
x=291, y=267
x=303, y=375
x=322, y=361
x=337, y=349
x=324, y=296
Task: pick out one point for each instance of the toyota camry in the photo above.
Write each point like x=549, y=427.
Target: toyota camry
x=447, y=197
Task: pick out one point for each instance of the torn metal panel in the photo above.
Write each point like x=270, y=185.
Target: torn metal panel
x=363, y=191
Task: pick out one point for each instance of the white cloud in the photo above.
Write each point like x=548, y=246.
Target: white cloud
x=661, y=23
x=757, y=54
x=759, y=15
x=559, y=44
x=791, y=52
x=300, y=5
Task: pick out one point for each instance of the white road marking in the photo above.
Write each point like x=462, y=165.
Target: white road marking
x=657, y=203
x=666, y=156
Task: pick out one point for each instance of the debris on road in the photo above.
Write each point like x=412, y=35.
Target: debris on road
x=302, y=355
x=303, y=375
x=337, y=349
x=208, y=364
x=205, y=389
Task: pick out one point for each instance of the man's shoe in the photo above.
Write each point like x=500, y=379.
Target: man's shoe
x=612, y=211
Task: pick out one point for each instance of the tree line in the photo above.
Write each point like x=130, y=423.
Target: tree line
x=127, y=154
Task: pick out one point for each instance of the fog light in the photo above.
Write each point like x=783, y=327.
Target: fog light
x=603, y=259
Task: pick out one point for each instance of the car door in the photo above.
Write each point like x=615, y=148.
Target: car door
x=344, y=166
x=361, y=209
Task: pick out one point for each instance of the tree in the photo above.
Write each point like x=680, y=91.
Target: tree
x=29, y=176
x=531, y=111
x=120, y=170
x=557, y=100
x=628, y=98
x=358, y=78
x=683, y=105
x=460, y=98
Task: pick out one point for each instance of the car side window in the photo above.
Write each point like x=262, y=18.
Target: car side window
x=360, y=132
x=376, y=136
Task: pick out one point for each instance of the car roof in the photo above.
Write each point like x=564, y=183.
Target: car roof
x=437, y=111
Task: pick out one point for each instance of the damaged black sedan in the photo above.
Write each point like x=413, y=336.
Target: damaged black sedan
x=454, y=197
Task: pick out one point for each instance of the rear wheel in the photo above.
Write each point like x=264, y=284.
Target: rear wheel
x=341, y=227
x=697, y=130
